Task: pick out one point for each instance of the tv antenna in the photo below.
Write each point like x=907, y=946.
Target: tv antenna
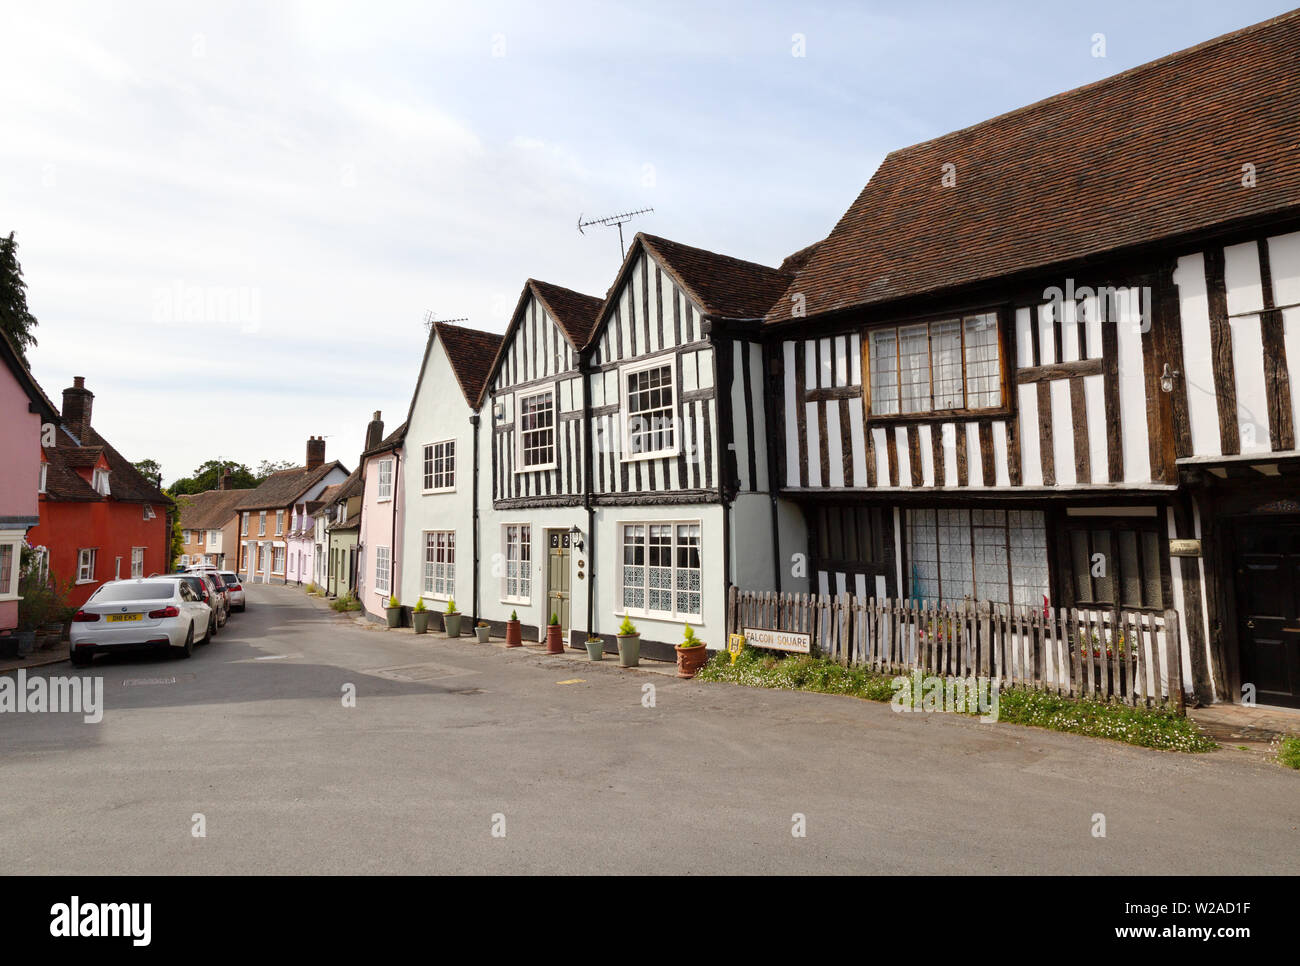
x=619, y=220
x=430, y=317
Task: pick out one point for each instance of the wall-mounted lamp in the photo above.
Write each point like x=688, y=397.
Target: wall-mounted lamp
x=576, y=533
x=1167, y=378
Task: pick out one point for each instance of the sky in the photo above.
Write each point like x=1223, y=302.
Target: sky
x=233, y=217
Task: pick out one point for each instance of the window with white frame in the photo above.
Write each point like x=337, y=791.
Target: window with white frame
x=661, y=572
x=243, y=525
x=199, y=536
x=279, y=522
x=86, y=565
x=956, y=554
x=517, y=582
x=277, y=560
x=649, y=412
x=148, y=512
x=214, y=538
x=385, y=479
x=440, y=563
x=45, y=472
x=954, y=364
x=383, y=567
x=9, y=558
x=537, y=431
x=440, y=466
x=99, y=480
x=261, y=523
x=185, y=536
x=137, y=561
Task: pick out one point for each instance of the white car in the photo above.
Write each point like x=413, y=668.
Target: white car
x=235, y=589
x=141, y=613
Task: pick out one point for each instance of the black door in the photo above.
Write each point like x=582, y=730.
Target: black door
x=1268, y=610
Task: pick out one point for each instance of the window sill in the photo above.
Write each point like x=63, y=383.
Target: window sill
x=661, y=454
x=940, y=416
x=80, y=583
x=516, y=601
x=664, y=618
x=536, y=469
x=445, y=489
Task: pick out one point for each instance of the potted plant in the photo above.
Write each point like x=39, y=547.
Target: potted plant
x=629, y=644
x=394, y=610
x=595, y=647
x=420, y=617
x=451, y=619
x=514, y=631
x=691, y=654
x=554, y=636
x=481, y=630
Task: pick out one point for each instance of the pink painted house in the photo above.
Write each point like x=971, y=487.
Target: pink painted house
x=382, y=514
x=23, y=410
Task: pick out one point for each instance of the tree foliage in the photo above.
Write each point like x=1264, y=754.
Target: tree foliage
x=208, y=477
x=16, y=321
x=150, y=470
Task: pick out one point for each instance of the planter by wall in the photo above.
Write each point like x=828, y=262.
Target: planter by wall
x=596, y=649
x=394, y=616
x=514, y=634
x=690, y=660
x=629, y=650
x=451, y=623
x=554, y=639
x=482, y=634
x=421, y=621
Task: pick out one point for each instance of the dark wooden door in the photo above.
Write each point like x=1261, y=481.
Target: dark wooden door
x=1268, y=610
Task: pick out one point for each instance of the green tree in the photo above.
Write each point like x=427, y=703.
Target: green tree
x=178, y=538
x=16, y=321
x=208, y=477
x=267, y=467
x=150, y=470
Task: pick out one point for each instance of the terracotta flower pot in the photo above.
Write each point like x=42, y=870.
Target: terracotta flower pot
x=514, y=634
x=690, y=660
x=554, y=639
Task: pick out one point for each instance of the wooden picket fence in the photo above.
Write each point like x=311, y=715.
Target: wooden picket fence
x=1129, y=657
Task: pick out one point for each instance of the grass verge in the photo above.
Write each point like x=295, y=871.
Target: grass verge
x=1147, y=727
x=1288, y=752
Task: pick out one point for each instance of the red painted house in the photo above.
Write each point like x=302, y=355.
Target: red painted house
x=100, y=519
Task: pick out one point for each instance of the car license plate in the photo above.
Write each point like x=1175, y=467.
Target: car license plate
x=115, y=618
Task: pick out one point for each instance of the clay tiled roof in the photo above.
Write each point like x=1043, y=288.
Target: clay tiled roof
x=209, y=510
x=125, y=481
x=283, y=489
x=354, y=485
x=1152, y=153
x=389, y=443
x=723, y=286
x=572, y=311
x=68, y=455
x=471, y=354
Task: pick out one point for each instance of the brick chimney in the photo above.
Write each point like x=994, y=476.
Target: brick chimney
x=77, y=402
x=315, y=451
x=223, y=482
x=375, y=431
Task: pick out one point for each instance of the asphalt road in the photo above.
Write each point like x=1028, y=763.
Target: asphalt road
x=254, y=736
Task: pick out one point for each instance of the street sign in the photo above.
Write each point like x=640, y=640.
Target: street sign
x=778, y=640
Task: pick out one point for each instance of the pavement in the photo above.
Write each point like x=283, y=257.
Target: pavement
x=583, y=768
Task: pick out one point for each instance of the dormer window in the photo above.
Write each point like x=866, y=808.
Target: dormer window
x=99, y=480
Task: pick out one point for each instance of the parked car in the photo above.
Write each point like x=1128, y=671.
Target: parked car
x=235, y=588
x=215, y=597
x=139, y=613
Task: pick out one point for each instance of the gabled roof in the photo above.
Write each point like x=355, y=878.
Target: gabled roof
x=284, y=488
x=1149, y=154
x=389, y=443
x=574, y=314
x=327, y=496
x=209, y=510
x=722, y=286
x=471, y=354
x=354, y=485
x=68, y=455
x=62, y=481
x=38, y=402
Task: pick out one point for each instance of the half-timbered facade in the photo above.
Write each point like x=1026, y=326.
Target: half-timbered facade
x=1046, y=361
x=534, y=407
x=679, y=477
